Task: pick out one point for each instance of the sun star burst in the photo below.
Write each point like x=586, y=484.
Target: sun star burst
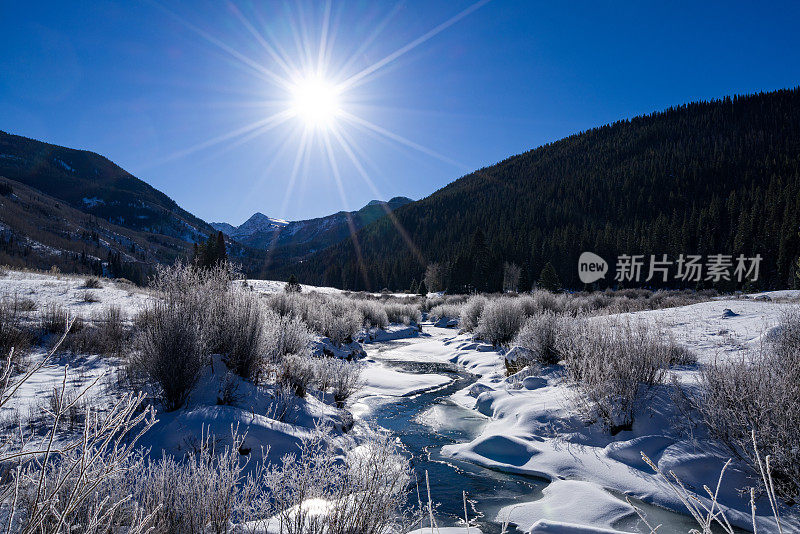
x=315, y=101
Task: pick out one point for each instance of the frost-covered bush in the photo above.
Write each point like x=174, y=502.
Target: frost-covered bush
x=340, y=321
x=614, y=364
x=243, y=337
x=171, y=350
x=471, y=312
x=540, y=336
x=547, y=301
x=205, y=492
x=288, y=304
x=345, y=379
x=364, y=492
x=500, y=321
x=13, y=332
x=54, y=482
x=285, y=335
x=53, y=319
x=450, y=311
x=761, y=393
x=431, y=302
x=296, y=372
x=374, y=313
x=401, y=313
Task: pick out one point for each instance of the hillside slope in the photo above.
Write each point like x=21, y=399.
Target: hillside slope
x=39, y=231
x=95, y=185
x=720, y=177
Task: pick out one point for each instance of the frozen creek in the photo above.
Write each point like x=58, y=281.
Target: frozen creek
x=427, y=419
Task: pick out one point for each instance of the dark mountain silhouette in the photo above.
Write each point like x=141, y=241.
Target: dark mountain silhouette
x=719, y=177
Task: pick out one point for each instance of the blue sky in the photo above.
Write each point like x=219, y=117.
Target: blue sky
x=161, y=87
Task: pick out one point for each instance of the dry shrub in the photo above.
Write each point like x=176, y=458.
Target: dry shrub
x=105, y=334
x=53, y=319
x=541, y=335
x=500, y=321
x=13, y=332
x=89, y=297
x=471, y=312
x=171, y=350
x=614, y=364
x=374, y=313
x=92, y=283
x=403, y=313
x=761, y=393
x=442, y=311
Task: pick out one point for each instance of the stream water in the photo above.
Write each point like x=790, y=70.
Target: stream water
x=425, y=422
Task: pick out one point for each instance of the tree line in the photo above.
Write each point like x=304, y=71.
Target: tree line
x=718, y=177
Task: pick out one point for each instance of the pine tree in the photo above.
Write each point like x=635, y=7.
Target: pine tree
x=423, y=290
x=524, y=281
x=479, y=255
x=414, y=286
x=292, y=285
x=549, y=278
x=221, y=255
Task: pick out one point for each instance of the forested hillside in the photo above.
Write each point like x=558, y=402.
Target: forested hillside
x=719, y=177
x=95, y=185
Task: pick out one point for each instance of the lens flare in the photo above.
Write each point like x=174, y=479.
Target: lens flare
x=315, y=101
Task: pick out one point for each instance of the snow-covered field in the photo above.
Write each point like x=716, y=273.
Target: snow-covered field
x=532, y=426
x=536, y=428
x=70, y=292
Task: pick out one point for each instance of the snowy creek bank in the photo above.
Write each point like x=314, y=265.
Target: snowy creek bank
x=429, y=403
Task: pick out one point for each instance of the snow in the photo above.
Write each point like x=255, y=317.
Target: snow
x=545, y=526
x=63, y=164
x=380, y=380
x=711, y=333
x=534, y=425
x=277, y=286
x=585, y=503
x=93, y=201
x=530, y=424
x=258, y=222
x=68, y=291
x=538, y=429
x=447, y=530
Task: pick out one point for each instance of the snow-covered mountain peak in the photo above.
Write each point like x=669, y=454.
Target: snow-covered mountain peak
x=257, y=223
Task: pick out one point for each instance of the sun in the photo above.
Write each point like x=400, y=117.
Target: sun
x=315, y=101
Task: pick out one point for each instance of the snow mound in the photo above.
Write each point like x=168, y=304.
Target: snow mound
x=585, y=503
x=544, y=526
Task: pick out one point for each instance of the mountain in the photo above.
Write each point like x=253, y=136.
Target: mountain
x=717, y=177
x=291, y=240
x=258, y=223
x=95, y=185
x=79, y=211
x=39, y=231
